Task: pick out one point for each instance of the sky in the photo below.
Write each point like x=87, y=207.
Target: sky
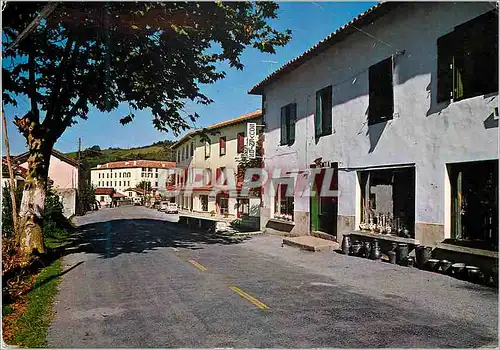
x=310, y=22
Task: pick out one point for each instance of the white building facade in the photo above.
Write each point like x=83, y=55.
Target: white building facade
x=204, y=159
x=402, y=104
x=123, y=176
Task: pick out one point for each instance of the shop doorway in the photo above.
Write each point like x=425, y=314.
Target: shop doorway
x=324, y=208
x=474, y=203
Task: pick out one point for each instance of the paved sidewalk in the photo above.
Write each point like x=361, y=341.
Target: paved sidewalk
x=410, y=286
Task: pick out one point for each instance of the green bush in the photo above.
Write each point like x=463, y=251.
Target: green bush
x=55, y=225
x=7, y=223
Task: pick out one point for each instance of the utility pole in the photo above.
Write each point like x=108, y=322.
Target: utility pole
x=79, y=173
x=11, y=175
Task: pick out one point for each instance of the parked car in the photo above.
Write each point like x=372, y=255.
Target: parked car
x=172, y=208
x=163, y=206
x=137, y=201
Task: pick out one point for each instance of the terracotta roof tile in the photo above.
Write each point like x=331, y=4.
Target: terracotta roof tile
x=141, y=163
x=104, y=191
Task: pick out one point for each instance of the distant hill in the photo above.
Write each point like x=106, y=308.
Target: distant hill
x=94, y=155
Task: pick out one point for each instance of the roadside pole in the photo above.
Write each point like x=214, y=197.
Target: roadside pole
x=11, y=175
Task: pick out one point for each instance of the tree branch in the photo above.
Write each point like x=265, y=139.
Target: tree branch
x=32, y=87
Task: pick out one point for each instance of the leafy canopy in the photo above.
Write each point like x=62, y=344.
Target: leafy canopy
x=151, y=55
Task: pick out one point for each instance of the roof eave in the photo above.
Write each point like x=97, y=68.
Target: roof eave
x=338, y=35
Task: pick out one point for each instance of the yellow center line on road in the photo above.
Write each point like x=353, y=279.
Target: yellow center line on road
x=250, y=298
x=197, y=265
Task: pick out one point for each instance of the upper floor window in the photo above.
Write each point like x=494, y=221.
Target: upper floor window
x=381, y=98
x=323, y=116
x=241, y=142
x=468, y=59
x=178, y=156
x=207, y=149
x=288, y=117
x=222, y=146
x=192, y=149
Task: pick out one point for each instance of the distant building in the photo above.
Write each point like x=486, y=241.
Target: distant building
x=214, y=151
x=19, y=175
x=63, y=175
x=125, y=176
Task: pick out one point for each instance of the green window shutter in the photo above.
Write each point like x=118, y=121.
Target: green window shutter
x=292, y=118
x=445, y=67
x=284, y=126
x=327, y=110
x=318, y=117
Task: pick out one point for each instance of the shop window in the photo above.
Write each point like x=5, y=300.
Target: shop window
x=288, y=117
x=474, y=203
x=241, y=142
x=243, y=205
x=381, y=98
x=323, y=115
x=468, y=59
x=204, y=202
x=283, y=204
x=222, y=146
x=388, y=201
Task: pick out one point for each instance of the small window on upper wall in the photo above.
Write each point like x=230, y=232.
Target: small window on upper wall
x=288, y=116
x=323, y=116
x=381, y=103
x=192, y=149
x=222, y=146
x=207, y=149
x=468, y=59
x=241, y=142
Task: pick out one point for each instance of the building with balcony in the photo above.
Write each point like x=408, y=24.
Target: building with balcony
x=207, y=160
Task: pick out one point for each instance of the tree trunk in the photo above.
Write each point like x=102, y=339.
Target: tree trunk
x=33, y=202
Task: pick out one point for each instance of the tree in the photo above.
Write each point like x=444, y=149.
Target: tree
x=144, y=185
x=148, y=55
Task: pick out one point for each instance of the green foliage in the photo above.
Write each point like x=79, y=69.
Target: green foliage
x=151, y=56
x=7, y=223
x=34, y=323
x=86, y=198
x=144, y=185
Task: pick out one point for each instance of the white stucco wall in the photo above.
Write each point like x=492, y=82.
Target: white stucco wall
x=422, y=131
x=120, y=183
x=215, y=161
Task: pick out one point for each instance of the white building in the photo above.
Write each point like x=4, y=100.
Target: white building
x=402, y=103
x=124, y=176
x=211, y=154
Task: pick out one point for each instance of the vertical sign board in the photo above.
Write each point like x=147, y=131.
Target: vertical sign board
x=251, y=140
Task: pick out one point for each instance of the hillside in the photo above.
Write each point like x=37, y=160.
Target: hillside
x=94, y=155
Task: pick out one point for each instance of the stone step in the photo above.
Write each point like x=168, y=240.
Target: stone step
x=311, y=243
x=324, y=235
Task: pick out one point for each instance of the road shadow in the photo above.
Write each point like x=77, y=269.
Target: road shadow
x=111, y=238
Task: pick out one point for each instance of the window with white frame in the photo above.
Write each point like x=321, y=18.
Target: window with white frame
x=283, y=201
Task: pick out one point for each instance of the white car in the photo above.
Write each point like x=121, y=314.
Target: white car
x=172, y=208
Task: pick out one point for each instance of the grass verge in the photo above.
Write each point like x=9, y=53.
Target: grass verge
x=30, y=325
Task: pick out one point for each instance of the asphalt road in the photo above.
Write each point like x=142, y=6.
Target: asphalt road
x=137, y=278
